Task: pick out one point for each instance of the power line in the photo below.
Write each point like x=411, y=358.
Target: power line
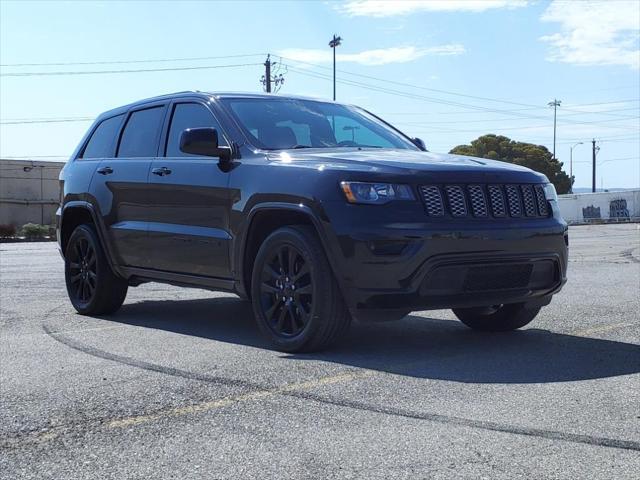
x=446, y=92
x=144, y=70
x=635, y=109
x=431, y=99
x=121, y=62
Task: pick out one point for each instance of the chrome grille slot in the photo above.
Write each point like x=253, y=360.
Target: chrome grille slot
x=432, y=200
x=457, y=202
x=529, y=201
x=498, y=208
x=543, y=207
x=478, y=200
x=513, y=200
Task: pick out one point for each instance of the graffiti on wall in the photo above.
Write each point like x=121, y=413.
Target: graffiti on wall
x=591, y=213
x=618, y=209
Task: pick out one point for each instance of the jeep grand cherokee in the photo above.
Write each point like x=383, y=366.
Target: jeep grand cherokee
x=317, y=212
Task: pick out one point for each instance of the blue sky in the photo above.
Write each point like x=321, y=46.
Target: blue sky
x=460, y=68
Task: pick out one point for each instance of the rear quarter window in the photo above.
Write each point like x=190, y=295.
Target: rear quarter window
x=102, y=143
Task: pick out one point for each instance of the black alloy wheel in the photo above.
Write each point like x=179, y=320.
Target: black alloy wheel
x=295, y=297
x=82, y=270
x=286, y=291
x=92, y=286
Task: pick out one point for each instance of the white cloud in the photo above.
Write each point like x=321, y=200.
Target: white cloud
x=595, y=33
x=388, y=8
x=380, y=56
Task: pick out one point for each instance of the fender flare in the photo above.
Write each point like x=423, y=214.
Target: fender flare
x=241, y=248
x=100, y=230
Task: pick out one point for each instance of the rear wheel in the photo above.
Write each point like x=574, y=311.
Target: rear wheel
x=91, y=285
x=497, y=318
x=295, y=297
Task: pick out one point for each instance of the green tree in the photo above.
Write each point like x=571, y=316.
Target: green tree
x=535, y=157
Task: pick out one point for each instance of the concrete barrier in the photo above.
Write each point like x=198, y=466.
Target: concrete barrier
x=601, y=207
x=29, y=191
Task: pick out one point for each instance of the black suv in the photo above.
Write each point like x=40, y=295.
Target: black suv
x=318, y=212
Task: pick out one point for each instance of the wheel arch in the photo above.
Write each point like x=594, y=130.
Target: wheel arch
x=76, y=213
x=264, y=219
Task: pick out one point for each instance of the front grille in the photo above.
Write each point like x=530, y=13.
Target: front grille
x=482, y=201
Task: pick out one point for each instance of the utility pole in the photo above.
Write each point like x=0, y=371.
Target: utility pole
x=571, y=164
x=335, y=41
x=555, y=104
x=267, y=74
x=594, y=150
x=272, y=81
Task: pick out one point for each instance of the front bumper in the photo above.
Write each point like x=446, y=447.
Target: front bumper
x=387, y=264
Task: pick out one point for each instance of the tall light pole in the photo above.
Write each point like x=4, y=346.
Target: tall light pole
x=555, y=104
x=571, y=164
x=594, y=151
x=335, y=41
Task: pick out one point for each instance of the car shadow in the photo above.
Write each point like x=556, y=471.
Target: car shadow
x=415, y=346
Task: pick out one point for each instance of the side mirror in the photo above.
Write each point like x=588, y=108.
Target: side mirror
x=203, y=141
x=418, y=142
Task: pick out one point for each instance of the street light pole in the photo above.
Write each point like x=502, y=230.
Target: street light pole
x=335, y=41
x=571, y=165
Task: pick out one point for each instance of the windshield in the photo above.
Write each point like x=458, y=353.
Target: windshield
x=281, y=123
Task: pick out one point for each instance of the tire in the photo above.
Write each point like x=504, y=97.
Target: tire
x=295, y=297
x=92, y=286
x=498, y=318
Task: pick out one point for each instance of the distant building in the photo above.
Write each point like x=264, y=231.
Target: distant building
x=29, y=191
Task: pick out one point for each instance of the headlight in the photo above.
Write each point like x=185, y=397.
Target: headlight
x=550, y=192
x=375, y=193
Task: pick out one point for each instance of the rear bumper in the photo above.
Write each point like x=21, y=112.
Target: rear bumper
x=396, y=266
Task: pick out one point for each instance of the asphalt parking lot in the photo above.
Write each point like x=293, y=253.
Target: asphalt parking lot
x=179, y=384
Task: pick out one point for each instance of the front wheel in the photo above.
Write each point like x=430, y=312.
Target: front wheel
x=295, y=297
x=497, y=318
x=92, y=287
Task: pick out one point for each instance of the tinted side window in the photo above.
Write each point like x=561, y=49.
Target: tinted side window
x=140, y=136
x=102, y=142
x=188, y=115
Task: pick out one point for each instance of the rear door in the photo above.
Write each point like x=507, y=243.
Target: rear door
x=121, y=187
x=189, y=213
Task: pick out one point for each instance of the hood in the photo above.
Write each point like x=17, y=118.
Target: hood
x=406, y=162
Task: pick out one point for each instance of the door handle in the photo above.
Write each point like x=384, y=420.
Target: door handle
x=105, y=170
x=162, y=171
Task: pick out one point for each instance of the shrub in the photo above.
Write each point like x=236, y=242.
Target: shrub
x=33, y=230
x=7, y=230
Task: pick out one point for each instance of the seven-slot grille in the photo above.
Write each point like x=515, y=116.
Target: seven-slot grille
x=458, y=201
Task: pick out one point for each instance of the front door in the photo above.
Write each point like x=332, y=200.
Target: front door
x=189, y=198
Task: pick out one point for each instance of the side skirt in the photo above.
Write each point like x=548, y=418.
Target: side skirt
x=137, y=276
